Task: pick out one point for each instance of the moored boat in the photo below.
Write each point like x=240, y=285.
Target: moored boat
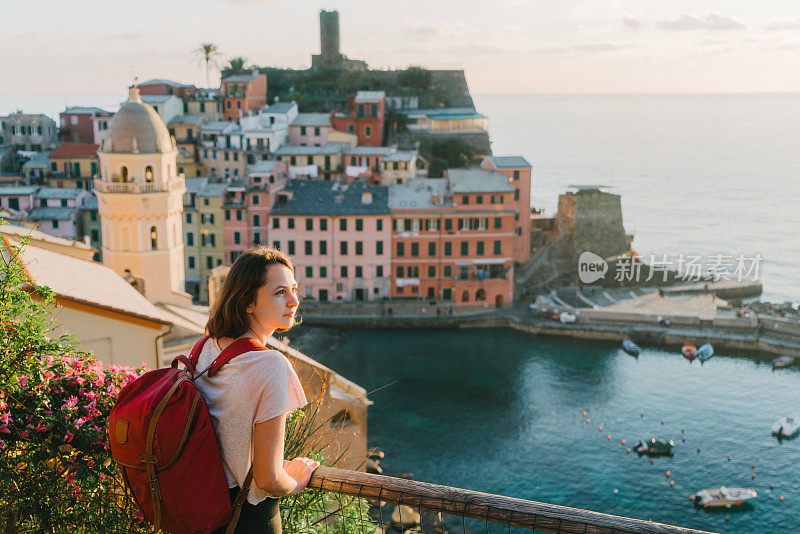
x=689, y=351
x=723, y=497
x=787, y=427
x=705, y=352
x=630, y=347
x=654, y=447
x=783, y=361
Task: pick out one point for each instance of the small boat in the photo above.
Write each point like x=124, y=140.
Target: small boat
x=689, y=351
x=723, y=497
x=654, y=447
x=783, y=361
x=630, y=347
x=787, y=427
x=705, y=352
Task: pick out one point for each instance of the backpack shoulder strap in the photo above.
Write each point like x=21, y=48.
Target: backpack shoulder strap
x=194, y=355
x=240, y=346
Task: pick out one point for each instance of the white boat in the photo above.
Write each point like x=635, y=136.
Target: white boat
x=567, y=317
x=787, y=427
x=723, y=497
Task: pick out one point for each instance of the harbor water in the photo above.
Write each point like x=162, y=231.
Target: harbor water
x=500, y=411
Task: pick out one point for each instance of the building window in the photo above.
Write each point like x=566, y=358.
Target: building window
x=257, y=238
x=448, y=224
x=95, y=235
x=55, y=223
x=479, y=199
x=359, y=225
x=465, y=248
x=368, y=131
x=379, y=224
x=323, y=225
x=276, y=222
x=153, y=238
x=343, y=273
x=414, y=250
x=431, y=271
x=256, y=220
x=302, y=130
x=448, y=271
x=516, y=175
x=209, y=262
x=238, y=215
x=480, y=295
x=276, y=245
x=431, y=249
x=323, y=272
x=359, y=272
x=400, y=271
x=463, y=272
x=379, y=271
x=379, y=248
x=190, y=239
x=343, y=248
x=448, y=248
x=479, y=248
x=309, y=224
x=307, y=246
x=401, y=250
x=191, y=262
x=290, y=223
x=148, y=174
x=237, y=238
x=227, y=215
x=497, y=248
x=205, y=202
x=256, y=200
x=350, y=128
x=359, y=248
x=291, y=248
x=343, y=225
x=465, y=200
x=323, y=248
x=498, y=222
x=309, y=272
x=516, y=194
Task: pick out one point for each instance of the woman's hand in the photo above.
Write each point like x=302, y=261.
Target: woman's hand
x=301, y=470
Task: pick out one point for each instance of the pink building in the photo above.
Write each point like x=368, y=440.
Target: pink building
x=58, y=211
x=247, y=207
x=18, y=197
x=338, y=236
x=518, y=171
x=310, y=129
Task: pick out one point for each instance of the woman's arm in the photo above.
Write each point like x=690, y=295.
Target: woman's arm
x=270, y=473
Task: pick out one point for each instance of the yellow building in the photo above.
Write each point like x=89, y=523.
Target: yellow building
x=320, y=162
x=203, y=233
x=140, y=202
x=186, y=131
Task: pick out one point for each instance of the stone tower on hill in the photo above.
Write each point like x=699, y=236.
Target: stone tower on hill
x=140, y=202
x=330, y=43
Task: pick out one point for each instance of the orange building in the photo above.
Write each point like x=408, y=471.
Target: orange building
x=242, y=93
x=518, y=171
x=453, y=238
x=365, y=117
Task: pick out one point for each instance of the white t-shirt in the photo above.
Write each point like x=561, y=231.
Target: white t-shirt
x=252, y=387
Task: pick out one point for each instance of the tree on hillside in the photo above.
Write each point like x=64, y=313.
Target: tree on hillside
x=447, y=154
x=236, y=65
x=351, y=81
x=207, y=53
x=415, y=78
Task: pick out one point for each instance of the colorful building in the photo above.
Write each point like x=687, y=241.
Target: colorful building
x=310, y=129
x=167, y=106
x=221, y=151
x=28, y=132
x=77, y=123
x=90, y=226
x=207, y=103
x=323, y=162
x=365, y=117
x=186, y=131
x=166, y=87
x=242, y=93
x=338, y=236
x=518, y=170
x=364, y=161
x=74, y=165
x=453, y=238
x=18, y=198
x=399, y=166
x=58, y=211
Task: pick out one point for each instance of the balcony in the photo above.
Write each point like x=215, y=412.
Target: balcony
x=130, y=187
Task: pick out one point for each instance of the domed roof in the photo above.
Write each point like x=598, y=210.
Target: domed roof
x=136, y=127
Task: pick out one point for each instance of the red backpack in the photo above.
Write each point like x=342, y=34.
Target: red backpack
x=162, y=438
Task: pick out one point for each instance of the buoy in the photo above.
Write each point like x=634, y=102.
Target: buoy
x=628, y=449
x=753, y=475
x=600, y=428
x=641, y=413
x=683, y=439
x=616, y=490
x=584, y=414
x=781, y=499
x=651, y=460
x=623, y=442
x=727, y=518
x=698, y=450
x=662, y=422
x=608, y=436
x=752, y=466
x=588, y=420
x=667, y=473
x=730, y=458
x=691, y=497
x=671, y=482
x=772, y=486
x=682, y=430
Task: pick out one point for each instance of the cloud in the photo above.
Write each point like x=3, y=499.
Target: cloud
x=129, y=36
x=710, y=21
x=630, y=23
x=786, y=24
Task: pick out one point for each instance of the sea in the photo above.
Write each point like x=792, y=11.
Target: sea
x=709, y=176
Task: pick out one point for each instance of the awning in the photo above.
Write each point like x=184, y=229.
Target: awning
x=490, y=261
x=402, y=282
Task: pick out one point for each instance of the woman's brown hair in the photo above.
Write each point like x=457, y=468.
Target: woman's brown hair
x=228, y=317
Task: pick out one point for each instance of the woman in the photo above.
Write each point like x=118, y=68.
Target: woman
x=251, y=395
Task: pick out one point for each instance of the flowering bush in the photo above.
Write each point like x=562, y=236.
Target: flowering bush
x=57, y=473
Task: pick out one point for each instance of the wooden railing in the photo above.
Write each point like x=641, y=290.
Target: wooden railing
x=536, y=516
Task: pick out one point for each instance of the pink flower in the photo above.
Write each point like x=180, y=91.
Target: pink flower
x=80, y=380
x=70, y=403
x=4, y=428
x=22, y=380
x=3, y=405
x=5, y=418
x=48, y=375
x=24, y=434
x=68, y=437
x=79, y=421
x=41, y=427
x=98, y=382
x=113, y=390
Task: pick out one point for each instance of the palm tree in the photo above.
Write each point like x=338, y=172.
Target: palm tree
x=236, y=65
x=208, y=54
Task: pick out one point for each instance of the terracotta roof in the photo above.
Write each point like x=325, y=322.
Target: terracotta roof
x=75, y=150
x=88, y=282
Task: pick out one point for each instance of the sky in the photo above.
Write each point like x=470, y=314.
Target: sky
x=505, y=46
